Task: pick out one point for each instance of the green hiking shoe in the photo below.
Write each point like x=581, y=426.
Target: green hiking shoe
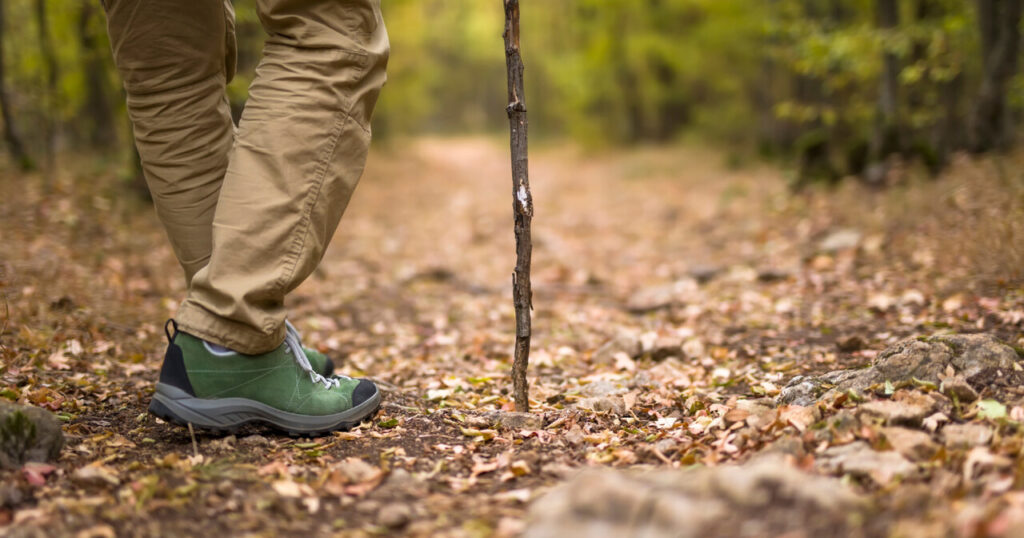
x=322, y=364
x=223, y=390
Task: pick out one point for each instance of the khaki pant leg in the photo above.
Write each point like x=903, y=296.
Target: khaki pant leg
x=300, y=150
x=175, y=57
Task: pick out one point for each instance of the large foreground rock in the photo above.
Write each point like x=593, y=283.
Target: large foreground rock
x=763, y=498
x=911, y=360
x=27, y=434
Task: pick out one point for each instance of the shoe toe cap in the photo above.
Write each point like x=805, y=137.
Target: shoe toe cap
x=364, y=391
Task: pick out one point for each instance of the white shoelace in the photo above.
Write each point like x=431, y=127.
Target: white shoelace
x=293, y=345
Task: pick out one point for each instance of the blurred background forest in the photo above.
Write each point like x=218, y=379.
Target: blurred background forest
x=835, y=88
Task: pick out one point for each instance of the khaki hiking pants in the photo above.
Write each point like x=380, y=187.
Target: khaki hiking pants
x=249, y=214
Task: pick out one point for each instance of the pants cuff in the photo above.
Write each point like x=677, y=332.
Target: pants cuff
x=199, y=322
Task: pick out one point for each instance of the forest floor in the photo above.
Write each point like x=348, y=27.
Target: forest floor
x=674, y=297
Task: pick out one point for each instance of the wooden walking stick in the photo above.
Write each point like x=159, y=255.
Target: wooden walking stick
x=522, y=205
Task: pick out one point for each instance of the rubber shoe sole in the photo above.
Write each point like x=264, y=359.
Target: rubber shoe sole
x=227, y=415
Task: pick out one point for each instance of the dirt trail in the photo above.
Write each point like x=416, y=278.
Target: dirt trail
x=668, y=288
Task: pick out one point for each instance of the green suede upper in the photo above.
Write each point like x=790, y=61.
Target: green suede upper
x=273, y=378
x=316, y=359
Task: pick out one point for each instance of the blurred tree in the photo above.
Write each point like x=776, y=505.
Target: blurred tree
x=999, y=23
x=49, y=95
x=837, y=86
x=887, y=139
x=97, y=114
x=11, y=137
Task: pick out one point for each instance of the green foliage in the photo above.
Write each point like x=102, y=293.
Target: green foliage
x=774, y=74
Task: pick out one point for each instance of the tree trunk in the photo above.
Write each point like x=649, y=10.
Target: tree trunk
x=11, y=137
x=50, y=98
x=999, y=23
x=887, y=139
x=522, y=205
x=100, y=131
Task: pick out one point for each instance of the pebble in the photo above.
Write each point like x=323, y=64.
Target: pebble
x=394, y=515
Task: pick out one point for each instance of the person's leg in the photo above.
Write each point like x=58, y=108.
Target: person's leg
x=175, y=58
x=167, y=52
x=300, y=151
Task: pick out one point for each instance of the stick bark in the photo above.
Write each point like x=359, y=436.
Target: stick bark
x=522, y=205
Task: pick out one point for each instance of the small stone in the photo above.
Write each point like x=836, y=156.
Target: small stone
x=516, y=421
x=892, y=412
x=603, y=404
x=704, y=273
x=662, y=296
x=255, y=441
x=859, y=459
x=226, y=443
x=666, y=445
x=693, y=348
x=665, y=346
x=913, y=444
x=367, y=506
x=95, y=475
x=966, y=435
x=957, y=388
x=355, y=470
x=851, y=343
x=28, y=433
x=624, y=342
x=574, y=435
x=395, y=515
x=666, y=372
x=773, y=274
x=838, y=240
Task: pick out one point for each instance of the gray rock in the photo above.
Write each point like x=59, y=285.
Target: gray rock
x=624, y=342
x=913, y=444
x=28, y=433
x=859, y=459
x=95, y=475
x=662, y=296
x=843, y=239
x=851, y=343
x=394, y=515
x=801, y=390
x=926, y=358
x=921, y=359
x=703, y=273
x=957, y=388
x=806, y=390
x=966, y=435
x=665, y=346
x=666, y=445
x=762, y=497
x=601, y=388
x=603, y=404
x=774, y=274
x=909, y=411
